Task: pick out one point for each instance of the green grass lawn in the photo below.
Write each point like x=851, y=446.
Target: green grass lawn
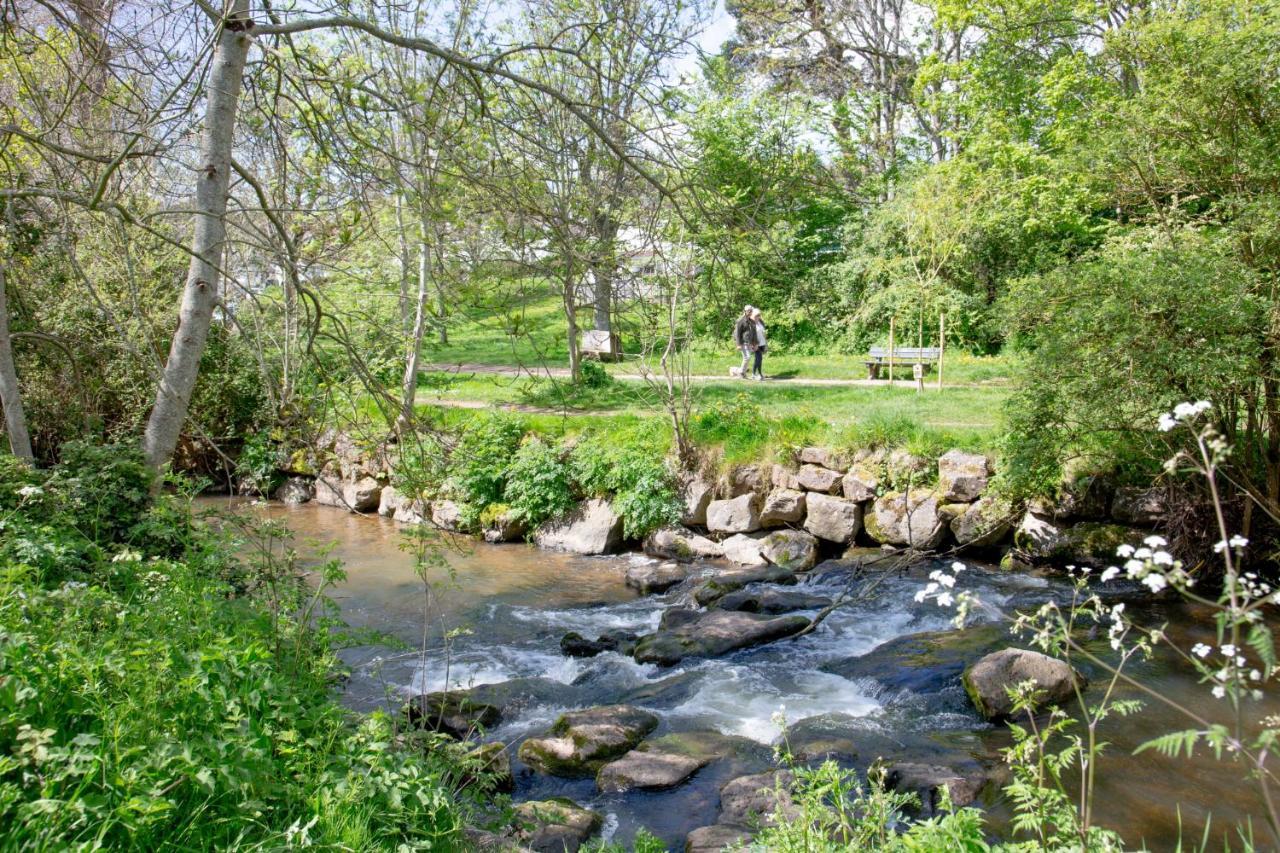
x=529, y=331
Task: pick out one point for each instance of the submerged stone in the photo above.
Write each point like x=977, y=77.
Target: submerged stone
x=555, y=826
x=989, y=681
x=714, y=633
x=580, y=742
x=452, y=712
x=647, y=770
x=727, y=582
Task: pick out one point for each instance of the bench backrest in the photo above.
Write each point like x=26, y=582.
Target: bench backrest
x=907, y=353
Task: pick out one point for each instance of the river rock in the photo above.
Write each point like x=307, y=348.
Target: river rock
x=989, y=680
x=790, y=549
x=555, y=826
x=736, y=515
x=717, y=837
x=581, y=742
x=916, y=523
x=1139, y=506
x=452, y=712
x=861, y=483
x=505, y=528
x=647, y=770
x=926, y=781
x=923, y=663
x=782, y=506
x=744, y=550
x=654, y=578
x=784, y=478
x=296, y=490
x=695, y=494
x=772, y=601
x=411, y=512
x=712, y=634
x=1089, y=543
x=575, y=645
x=813, y=478
x=446, y=515
x=962, y=476
x=727, y=582
x=491, y=764
x=389, y=502
x=514, y=696
x=591, y=528
x=983, y=524
x=677, y=543
x=758, y=799
x=833, y=519
x=824, y=457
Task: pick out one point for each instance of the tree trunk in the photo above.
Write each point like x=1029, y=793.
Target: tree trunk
x=15, y=419
x=200, y=294
x=409, y=386
x=602, y=269
x=571, y=320
x=406, y=318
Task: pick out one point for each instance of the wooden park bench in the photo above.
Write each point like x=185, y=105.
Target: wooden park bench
x=926, y=357
x=602, y=345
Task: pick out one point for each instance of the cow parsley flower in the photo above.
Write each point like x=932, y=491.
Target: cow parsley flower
x=1201, y=650
x=1109, y=574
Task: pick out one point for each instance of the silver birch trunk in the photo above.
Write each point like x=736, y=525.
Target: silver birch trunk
x=15, y=419
x=409, y=387
x=200, y=294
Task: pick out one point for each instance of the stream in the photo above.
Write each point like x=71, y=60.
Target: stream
x=513, y=603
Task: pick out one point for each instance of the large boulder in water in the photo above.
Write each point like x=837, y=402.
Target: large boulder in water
x=790, y=549
x=591, y=528
x=962, y=476
x=744, y=549
x=452, y=712
x=581, y=742
x=772, y=601
x=758, y=799
x=648, y=769
x=727, y=582
x=446, y=515
x=555, y=826
x=833, y=519
x=736, y=515
x=1089, y=543
x=695, y=495
x=677, y=543
x=655, y=577
x=714, y=633
x=296, y=490
x=927, y=782
x=989, y=681
x=715, y=838
x=913, y=520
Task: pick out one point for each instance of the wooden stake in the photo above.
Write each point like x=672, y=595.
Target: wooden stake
x=942, y=345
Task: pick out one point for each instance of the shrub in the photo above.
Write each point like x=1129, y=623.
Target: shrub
x=538, y=483
x=631, y=466
x=591, y=374
x=479, y=460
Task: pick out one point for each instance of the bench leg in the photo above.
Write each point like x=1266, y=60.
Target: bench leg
x=873, y=371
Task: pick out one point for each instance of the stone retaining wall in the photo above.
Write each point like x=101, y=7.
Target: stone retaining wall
x=828, y=499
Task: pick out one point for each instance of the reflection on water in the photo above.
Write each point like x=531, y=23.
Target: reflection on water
x=515, y=602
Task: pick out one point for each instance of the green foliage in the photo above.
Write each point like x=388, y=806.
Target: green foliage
x=480, y=459
x=631, y=466
x=591, y=374
x=538, y=483
x=1149, y=321
x=155, y=706
x=259, y=463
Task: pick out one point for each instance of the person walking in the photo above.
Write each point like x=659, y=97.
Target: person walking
x=744, y=337
x=762, y=343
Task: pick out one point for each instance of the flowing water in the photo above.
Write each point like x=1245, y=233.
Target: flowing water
x=513, y=603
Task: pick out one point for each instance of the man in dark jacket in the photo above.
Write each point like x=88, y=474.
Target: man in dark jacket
x=744, y=336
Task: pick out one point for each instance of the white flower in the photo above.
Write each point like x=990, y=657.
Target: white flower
x=1254, y=675
x=1219, y=691
x=1110, y=573
x=921, y=596
x=1219, y=547
x=1155, y=541
x=1133, y=567
x=1125, y=550
x=945, y=599
x=1228, y=650
x=1167, y=422
x=1201, y=650
x=957, y=567
x=1143, y=553
x=1238, y=541
x=1162, y=558
x=30, y=491
x=1202, y=406
x=1156, y=581
x=1183, y=410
